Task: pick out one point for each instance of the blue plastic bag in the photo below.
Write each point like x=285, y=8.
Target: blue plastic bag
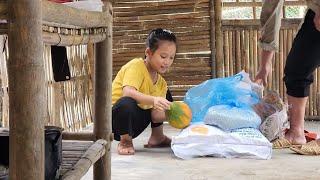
x=235, y=91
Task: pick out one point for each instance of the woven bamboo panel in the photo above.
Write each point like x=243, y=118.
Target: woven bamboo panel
x=188, y=19
x=70, y=101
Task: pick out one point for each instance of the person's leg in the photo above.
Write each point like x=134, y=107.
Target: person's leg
x=128, y=121
x=157, y=136
x=302, y=60
x=297, y=106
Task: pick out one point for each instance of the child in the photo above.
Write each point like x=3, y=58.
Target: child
x=140, y=94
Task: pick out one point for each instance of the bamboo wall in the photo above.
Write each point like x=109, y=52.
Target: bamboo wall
x=188, y=19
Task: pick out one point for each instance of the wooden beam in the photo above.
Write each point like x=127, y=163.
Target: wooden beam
x=102, y=99
x=65, y=15
x=255, y=24
x=27, y=90
x=80, y=136
x=95, y=152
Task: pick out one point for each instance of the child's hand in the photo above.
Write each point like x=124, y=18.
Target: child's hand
x=161, y=103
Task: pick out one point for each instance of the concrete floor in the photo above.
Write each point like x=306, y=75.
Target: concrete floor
x=158, y=164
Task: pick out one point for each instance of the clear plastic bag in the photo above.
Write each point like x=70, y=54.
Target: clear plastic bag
x=230, y=118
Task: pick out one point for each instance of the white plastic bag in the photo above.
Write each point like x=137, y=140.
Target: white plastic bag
x=204, y=140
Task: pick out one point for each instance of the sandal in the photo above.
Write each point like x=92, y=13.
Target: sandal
x=164, y=144
x=312, y=148
x=125, y=148
x=282, y=143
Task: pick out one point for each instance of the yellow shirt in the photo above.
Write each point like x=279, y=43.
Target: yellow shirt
x=135, y=74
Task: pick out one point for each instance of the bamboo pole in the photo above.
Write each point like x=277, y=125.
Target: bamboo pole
x=102, y=99
x=213, y=40
x=255, y=52
x=318, y=94
x=71, y=40
x=238, y=51
x=27, y=90
x=218, y=37
x=247, y=50
x=231, y=57
x=226, y=53
x=4, y=84
x=281, y=60
x=314, y=94
x=92, y=155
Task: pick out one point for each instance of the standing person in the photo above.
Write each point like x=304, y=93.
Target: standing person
x=140, y=94
x=302, y=60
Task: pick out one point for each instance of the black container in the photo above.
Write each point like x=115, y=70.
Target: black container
x=53, y=151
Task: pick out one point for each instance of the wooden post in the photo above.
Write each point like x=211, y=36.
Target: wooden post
x=218, y=38
x=27, y=90
x=102, y=99
x=212, y=40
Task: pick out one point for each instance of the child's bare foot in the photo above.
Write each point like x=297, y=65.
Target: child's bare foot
x=158, y=142
x=125, y=148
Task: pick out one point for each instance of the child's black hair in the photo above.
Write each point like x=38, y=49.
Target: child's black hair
x=157, y=35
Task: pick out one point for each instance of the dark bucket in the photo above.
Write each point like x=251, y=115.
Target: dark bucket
x=53, y=151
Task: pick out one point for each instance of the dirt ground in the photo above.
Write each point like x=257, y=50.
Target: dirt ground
x=158, y=164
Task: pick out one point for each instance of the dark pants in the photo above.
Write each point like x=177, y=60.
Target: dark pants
x=129, y=118
x=303, y=59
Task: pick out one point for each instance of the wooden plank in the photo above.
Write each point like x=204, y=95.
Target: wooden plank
x=84, y=136
x=27, y=90
x=95, y=152
x=65, y=15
